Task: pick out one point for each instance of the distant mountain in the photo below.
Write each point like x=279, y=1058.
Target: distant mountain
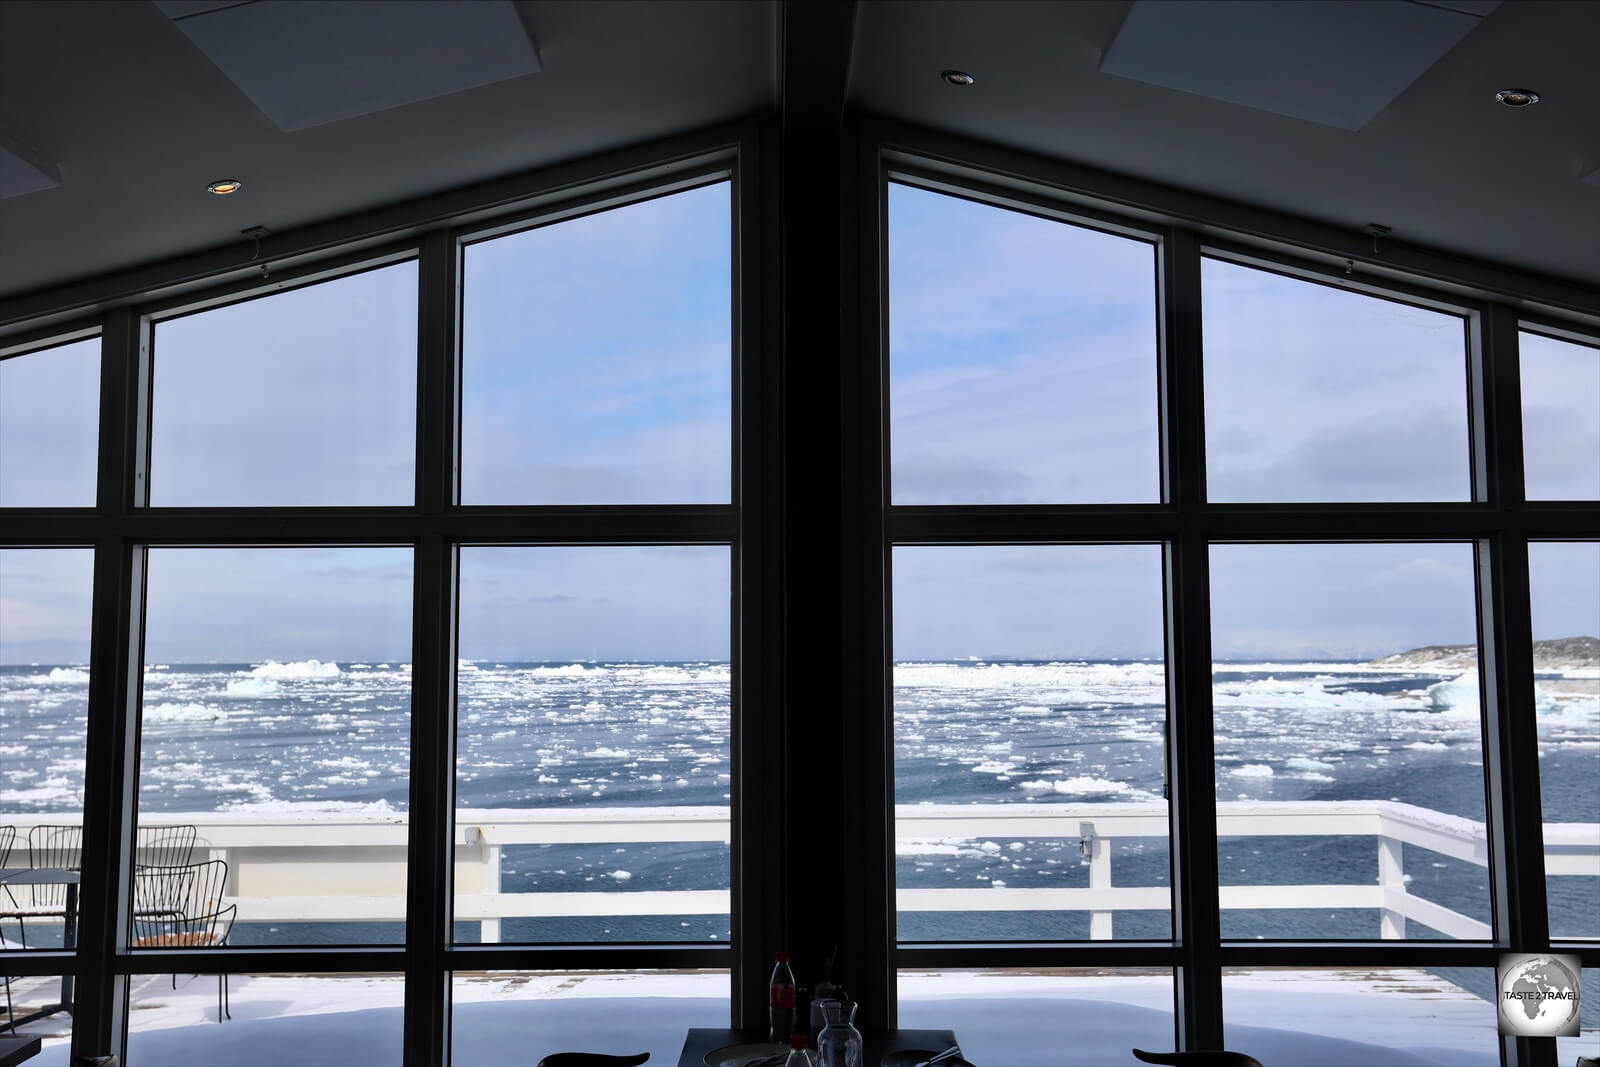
x=1559, y=654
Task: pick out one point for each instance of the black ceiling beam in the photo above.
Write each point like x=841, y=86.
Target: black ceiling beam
x=814, y=62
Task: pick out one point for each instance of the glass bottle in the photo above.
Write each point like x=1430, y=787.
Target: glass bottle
x=839, y=1043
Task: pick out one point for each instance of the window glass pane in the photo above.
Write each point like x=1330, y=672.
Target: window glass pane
x=1356, y=1018
x=592, y=745
x=1022, y=357
x=44, y=696
x=1315, y=393
x=597, y=364
x=1566, y=662
x=307, y=1019
x=1587, y=1043
x=1029, y=713
x=274, y=736
x=506, y=1017
x=1028, y=1018
x=304, y=397
x=49, y=426
x=45, y=599
x=1349, y=746
x=1560, y=418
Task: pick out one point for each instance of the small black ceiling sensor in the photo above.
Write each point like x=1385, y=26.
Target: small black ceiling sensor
x=1517, y=97
x=957, y=77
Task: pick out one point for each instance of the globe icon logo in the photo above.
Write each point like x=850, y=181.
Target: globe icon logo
x=1539, y=995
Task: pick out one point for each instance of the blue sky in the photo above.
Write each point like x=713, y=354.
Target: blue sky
x=597, y=369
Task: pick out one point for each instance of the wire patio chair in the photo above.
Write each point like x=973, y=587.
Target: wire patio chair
x=8, y=837
x=164, y=846
x=182, y=908
x=49, y=846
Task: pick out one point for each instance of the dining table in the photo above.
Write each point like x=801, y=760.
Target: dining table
x=13, y=1050
x=20, y=876
x=875, y=1044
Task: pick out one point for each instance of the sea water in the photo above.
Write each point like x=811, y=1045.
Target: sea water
x=325, y=736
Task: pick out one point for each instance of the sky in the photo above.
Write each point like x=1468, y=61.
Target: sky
x=597, y=369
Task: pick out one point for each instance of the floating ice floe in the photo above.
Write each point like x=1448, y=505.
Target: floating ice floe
x=297, y=670
x=1083, y=786
x=1252, y=770
x=167, y=713
x=66, y=676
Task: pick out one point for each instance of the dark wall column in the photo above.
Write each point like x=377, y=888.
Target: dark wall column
x=833, y=758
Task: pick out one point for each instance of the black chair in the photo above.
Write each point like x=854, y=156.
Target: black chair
x=164, y=846
x=1199, y=1058
x=182, y=907
x=592, y=1059
x=48, y=846
x=8, y=837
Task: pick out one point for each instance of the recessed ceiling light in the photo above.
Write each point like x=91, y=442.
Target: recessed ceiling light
x=225, y=187
x=1517, y=97
x=956, y=77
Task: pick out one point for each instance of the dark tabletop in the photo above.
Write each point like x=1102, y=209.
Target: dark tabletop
x=13, y=1050
x=875, y=1043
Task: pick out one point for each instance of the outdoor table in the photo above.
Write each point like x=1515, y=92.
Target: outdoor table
x=69, y=933
x=875, y=1044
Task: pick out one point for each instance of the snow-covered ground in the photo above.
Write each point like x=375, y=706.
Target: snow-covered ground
x=1396, y=1018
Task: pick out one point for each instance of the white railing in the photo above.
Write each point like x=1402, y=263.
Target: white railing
x=351, y=868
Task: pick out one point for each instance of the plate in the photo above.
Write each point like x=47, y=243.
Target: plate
x=743, y=1055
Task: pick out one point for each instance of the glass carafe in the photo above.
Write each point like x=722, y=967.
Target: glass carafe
x=839, y=1043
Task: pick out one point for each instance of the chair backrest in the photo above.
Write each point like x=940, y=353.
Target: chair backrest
x=8, y=837
x=1198, y=1058
x=54, y=846
x=164, y=846
x=182, y=906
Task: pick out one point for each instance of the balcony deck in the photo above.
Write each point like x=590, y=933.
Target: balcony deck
x=348, y=868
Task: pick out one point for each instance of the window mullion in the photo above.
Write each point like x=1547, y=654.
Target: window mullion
x=429, y=866
x=111, y=747
x=1511, y=743
x=1191, y=791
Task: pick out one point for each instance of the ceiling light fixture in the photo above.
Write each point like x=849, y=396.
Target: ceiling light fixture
x=225, y=187
x=1517, y=97
x=957, y=77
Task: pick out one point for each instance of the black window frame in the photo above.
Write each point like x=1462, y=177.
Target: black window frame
x=778, y=481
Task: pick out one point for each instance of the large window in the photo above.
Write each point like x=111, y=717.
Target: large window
x=489, y=636
x=304, y=635
x=1322, y=503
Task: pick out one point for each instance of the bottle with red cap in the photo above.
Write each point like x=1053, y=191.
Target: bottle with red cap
x=780, y=1002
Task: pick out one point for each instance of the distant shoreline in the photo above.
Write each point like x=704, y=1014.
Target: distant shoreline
x=1557, y=654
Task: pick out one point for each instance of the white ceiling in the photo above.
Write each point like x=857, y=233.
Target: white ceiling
x=135, y=119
